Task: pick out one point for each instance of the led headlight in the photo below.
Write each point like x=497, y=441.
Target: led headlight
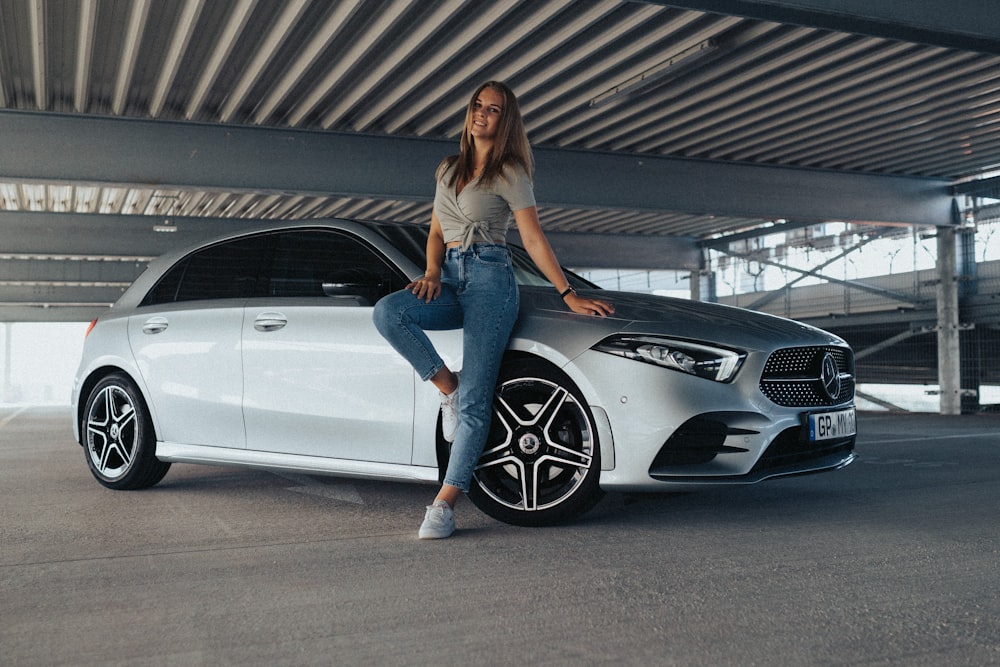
x=707, y=361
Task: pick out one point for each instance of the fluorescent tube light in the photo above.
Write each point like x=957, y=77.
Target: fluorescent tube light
x=657, y=72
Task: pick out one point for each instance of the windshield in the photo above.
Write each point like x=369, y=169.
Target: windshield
x=527, y=273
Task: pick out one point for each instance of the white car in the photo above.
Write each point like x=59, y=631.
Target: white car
x=258, y=350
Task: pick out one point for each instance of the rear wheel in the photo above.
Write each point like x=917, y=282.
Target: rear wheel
x=541, y=463
x=118, y=436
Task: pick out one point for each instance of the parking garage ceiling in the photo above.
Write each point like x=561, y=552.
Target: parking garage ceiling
x=667, y=125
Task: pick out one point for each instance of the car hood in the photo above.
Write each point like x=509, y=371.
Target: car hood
x=544, y=312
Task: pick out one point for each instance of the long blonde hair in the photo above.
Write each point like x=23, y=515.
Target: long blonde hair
x=511, y=146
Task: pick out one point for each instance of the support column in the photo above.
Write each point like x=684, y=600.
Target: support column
x=972, y=354
x=949, y=360
x=7, y=388
x=703, y=286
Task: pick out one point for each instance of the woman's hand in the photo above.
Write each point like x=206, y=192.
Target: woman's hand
x=584, y=306
x=427, y=288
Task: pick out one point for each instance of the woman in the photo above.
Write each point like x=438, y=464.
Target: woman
x=469, y=282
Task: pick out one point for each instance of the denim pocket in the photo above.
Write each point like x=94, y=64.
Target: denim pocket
x=498, y=255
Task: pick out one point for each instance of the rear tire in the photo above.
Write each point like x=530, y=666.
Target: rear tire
x=541, y=464
x=118, y=438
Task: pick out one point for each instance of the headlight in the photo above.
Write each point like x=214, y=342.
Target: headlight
x=707, y=361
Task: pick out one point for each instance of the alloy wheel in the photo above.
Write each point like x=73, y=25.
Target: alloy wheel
x=112, y=432
x=541, y=453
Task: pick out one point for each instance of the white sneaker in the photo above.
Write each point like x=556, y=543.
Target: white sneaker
x=449, y=414
x=439, y=522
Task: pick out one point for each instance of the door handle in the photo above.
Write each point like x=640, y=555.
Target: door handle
x=270, y=322
x=154, y=325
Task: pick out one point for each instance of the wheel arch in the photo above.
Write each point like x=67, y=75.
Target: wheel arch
x=524, y=348
x=442, y=446
x=605, y=434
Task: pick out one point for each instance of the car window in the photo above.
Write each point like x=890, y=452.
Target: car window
x=527, y=274
x=319, y=263
x=226, y=270
x=409, y=239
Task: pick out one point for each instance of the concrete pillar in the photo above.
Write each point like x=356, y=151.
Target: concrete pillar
x=7, y=388
x=949, y=359
x=703, y=286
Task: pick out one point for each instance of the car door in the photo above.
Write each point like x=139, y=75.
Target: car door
x=319, y=379
x=186, y=338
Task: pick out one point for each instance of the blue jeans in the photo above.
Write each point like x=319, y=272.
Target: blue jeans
x=479, y=295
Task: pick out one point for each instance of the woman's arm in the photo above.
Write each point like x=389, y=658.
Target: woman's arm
x=428, y=286
x=544, y=258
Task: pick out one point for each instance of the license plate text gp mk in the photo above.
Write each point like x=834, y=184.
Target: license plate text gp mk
x=833, y=425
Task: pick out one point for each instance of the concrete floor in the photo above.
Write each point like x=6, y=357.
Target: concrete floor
x=893, y=561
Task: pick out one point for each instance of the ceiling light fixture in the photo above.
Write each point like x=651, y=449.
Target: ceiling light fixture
x=645, y=79
x=166, y=226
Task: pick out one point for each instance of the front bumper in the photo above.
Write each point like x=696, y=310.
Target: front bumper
x=673, y=429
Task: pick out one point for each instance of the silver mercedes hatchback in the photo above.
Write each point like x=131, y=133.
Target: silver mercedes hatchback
x=258, y=350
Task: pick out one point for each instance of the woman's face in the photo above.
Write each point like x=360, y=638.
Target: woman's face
x=486, y=114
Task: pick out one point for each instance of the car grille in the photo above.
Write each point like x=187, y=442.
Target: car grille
x=809, y=377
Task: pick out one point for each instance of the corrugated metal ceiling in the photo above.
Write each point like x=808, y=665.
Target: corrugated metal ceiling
x=762, y=93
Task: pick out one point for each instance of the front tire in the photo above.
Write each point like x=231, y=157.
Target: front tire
x=541, y=464
x=118, y=439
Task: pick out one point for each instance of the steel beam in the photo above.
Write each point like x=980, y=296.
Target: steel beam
x=96, y=235
x=853, y=284
x=892, y=340
x=145, y=153
x=48, y=313
x=68, y=236
x=986, y=187
x=771, y=296
x=45, y=293
x=616, y=251
x=60, y=270
x=969, y=25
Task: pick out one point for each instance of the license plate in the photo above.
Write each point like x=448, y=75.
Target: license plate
x=830, y=425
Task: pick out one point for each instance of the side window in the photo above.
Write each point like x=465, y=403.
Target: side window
x=224, y=271
x=329, y=264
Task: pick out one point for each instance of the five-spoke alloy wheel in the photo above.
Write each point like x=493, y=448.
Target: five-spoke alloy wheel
x=118, y=436
x=541, y=463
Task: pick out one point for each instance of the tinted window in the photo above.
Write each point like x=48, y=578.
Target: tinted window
x=224, y=271
x=329, y=264
x=526, y=273
x=409, y=239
